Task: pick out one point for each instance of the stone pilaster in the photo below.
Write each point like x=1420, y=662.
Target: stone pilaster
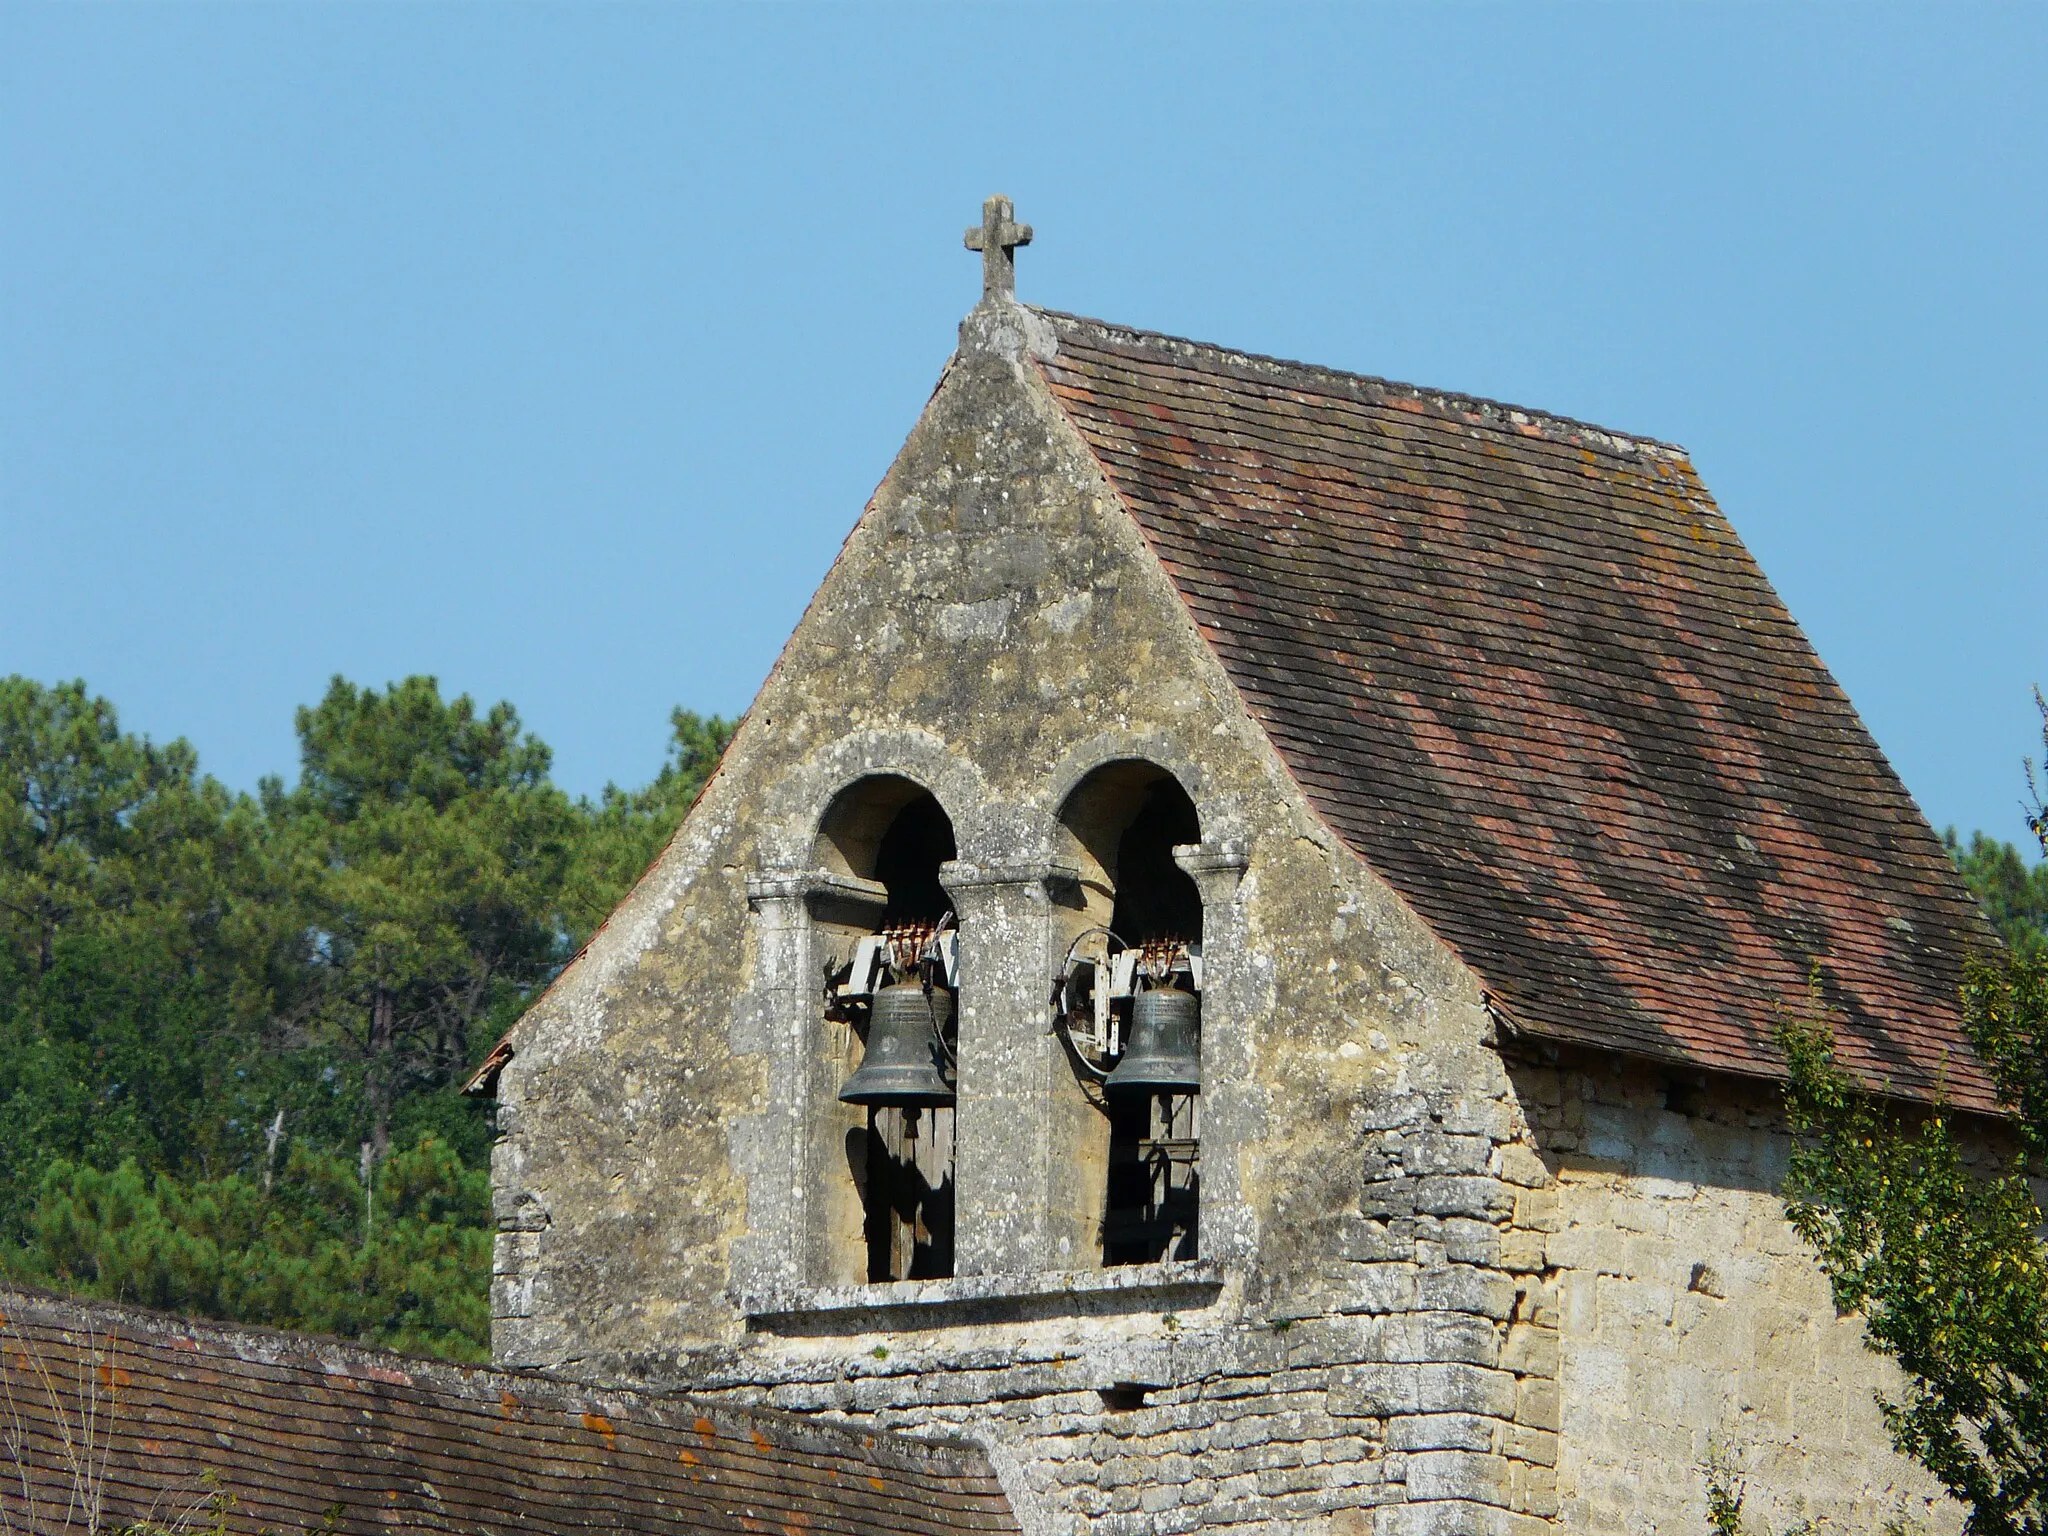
x=785, y=1149
x=1234, y=1007
x=1003, y=1129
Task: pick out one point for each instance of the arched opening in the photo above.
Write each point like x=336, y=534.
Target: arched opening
x=1156, y=900
x=1122, y=824
x=890, y=984
x=907, y=861
x=1140, y=915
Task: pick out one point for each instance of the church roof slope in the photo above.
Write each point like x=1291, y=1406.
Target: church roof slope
x=152, y=1419
x=1527, y=671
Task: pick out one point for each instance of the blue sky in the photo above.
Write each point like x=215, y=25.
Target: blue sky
x=553, y=350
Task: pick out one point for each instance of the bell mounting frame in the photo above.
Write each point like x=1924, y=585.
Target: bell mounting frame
x=1082, y=1006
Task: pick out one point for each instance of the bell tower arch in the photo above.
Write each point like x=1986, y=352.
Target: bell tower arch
x=852, y=840
x=890, y=980
x=1132, y=1007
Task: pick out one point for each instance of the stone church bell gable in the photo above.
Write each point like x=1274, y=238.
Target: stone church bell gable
x=1232, y=962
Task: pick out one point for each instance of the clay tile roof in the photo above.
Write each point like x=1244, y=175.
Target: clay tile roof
x=165, y=1415
x=1529, y=674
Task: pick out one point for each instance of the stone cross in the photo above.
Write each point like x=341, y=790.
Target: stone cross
x=997, y=239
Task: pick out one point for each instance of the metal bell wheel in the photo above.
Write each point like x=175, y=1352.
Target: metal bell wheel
x=1165, y=1053
x=904, y=1067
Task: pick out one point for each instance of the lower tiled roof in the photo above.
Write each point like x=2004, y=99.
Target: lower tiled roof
x=1527, y=671
x=150, y=1418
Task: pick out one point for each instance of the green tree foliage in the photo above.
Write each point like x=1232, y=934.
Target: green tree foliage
x=114, y=1051
x=97, y=827
x=132, y=932
x=2014, y=897
x=1938, y=1244
x=311, y=1253
x=429, y=851
x=217, y=1011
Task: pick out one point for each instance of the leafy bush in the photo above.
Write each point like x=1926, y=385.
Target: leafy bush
x=1943, y=1259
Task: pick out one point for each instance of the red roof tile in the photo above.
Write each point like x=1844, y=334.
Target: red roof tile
x=157, y=1416
x=1527, y=671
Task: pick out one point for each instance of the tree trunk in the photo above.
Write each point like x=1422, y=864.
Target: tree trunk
x=377, y=1083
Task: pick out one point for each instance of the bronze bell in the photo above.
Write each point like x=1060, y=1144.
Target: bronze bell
x=904, y=1066
x=1165, y=1053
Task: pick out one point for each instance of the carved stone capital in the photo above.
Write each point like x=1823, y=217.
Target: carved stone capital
x=1216, y=867
x=787, y=885
x=1033, y=879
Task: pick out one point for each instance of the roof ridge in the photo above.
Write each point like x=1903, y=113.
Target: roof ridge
x=1259, y=362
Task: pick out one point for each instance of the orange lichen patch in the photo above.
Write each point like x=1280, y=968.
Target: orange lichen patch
x=878, y=1485
x=598, y=1424
x=687, y=1457
x=112, y=1377
x=510, y=1406
x=761, y=1443
x=706, y=1430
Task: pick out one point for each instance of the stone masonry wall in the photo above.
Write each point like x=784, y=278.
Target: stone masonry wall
x=1406, y=1382
x=1692, y=1316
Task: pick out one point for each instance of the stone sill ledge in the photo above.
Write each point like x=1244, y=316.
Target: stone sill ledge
x=1127, y=1287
